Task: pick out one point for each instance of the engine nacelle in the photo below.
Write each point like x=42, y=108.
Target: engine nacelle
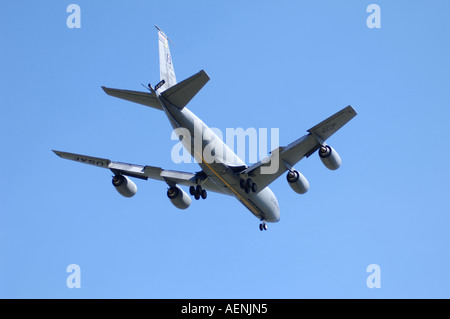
x=298, y=182
x=179, y=198
x=329, y=157
x=125, y=186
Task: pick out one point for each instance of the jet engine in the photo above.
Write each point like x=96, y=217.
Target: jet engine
x=125, y=186
x=329, y=157
x=298, y=182
x=179, y=198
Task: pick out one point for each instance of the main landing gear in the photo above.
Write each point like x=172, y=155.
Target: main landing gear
x=197, y=192
x=248, y=185
x=263, y=226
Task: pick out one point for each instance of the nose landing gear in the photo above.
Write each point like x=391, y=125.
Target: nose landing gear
x=263, y=226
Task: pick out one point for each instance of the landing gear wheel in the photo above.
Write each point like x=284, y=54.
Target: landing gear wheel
x=254, y=188
x=242, y=184
x=247, y=190
x=262, y=226
x=198, y=192
x=249, y=183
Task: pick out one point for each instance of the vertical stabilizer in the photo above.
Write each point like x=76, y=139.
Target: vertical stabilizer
x=166, y=70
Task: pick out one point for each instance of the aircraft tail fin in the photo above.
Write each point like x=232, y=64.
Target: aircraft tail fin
x=166, y=69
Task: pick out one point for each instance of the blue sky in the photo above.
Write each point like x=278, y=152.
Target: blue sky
x=284, y=64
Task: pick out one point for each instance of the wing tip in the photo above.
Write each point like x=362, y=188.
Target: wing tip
x=57, y=153
x=203, y=72
x=351, y=110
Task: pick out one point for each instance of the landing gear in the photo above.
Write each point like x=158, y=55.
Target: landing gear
x=198, y=192
x=248, y=185
x=263, y=226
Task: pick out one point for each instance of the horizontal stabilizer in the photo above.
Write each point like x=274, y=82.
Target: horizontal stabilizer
x=182, y=93
x=134, y=96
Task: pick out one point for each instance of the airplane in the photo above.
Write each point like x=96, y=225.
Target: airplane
x=226, y=173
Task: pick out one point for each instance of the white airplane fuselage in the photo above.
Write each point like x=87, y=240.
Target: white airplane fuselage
x=218, y=166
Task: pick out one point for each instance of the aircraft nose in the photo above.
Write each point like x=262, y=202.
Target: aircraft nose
x=274, y=214
x=272, y=217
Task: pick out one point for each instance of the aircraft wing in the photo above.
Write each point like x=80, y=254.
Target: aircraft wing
x=143, y=172
x=269, y=169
